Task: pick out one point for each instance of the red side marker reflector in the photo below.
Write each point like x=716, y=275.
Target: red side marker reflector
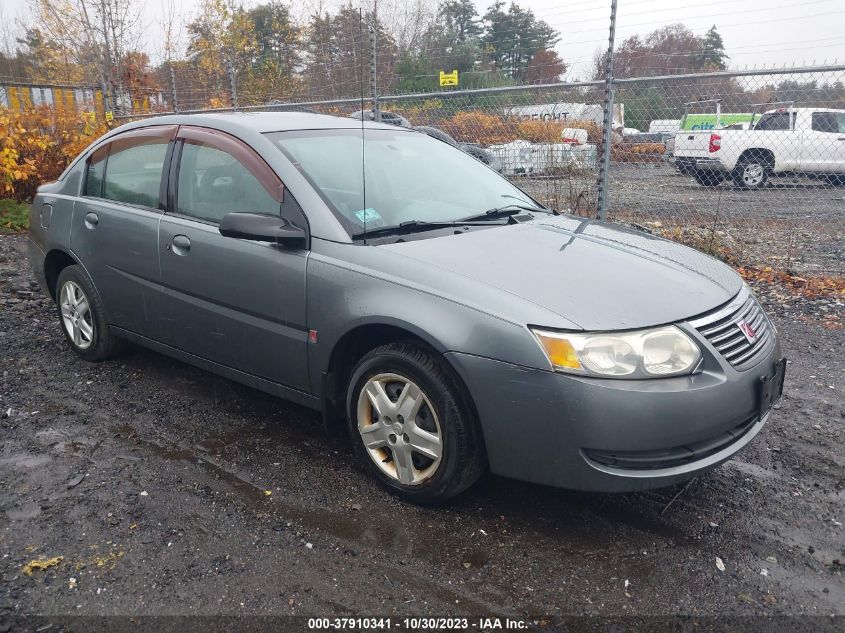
x=312, y=336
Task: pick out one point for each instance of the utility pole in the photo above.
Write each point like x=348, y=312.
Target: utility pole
x=232, y=86
x=607, y=132
x=373, y=80
x=173, y=88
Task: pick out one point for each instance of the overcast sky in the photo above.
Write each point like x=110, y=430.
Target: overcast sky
x=756, y=32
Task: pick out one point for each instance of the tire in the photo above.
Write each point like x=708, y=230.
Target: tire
x=708, y=178
x=751, y=173
x=77, y=302
x=835, y=180
x=683, y=168
x=409, y=375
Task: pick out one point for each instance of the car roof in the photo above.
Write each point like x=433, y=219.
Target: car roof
x=260, y=122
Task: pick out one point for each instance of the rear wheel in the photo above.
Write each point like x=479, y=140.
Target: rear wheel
x=412, y=425
x=83, y=317
x=835, y=180
x=752, y=173
x=708, y=178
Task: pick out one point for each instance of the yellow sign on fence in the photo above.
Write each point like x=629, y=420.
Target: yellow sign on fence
x=449, y=79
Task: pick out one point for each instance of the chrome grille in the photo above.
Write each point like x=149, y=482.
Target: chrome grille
x=722, y=328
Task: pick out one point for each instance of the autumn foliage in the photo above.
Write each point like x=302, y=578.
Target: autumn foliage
x=538, y=131
x=479, y=127
x=637, y=153
x=37, y=144
x=490, y=129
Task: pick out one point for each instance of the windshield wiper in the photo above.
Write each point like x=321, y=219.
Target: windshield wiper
x=504, y=212
x=412, y=226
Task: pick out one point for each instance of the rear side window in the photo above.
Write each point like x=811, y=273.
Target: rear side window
x=94, y=173
x=775, y=121
x=133, y=172
x=830, y=122
x=213, y=183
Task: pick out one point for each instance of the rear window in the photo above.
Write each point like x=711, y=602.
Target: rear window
x=775, y=121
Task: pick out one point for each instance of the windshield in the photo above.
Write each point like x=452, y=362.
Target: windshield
x=409, y=177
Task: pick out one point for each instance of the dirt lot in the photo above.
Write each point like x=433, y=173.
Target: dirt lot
x=167, y=490
x=794, y=224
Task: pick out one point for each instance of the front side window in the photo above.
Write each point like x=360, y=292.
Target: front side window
x=393, y=177
x=213, y=183
x=829, y=122
x=133, y=171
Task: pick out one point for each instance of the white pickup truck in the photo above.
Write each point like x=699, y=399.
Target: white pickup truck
x=802, y=141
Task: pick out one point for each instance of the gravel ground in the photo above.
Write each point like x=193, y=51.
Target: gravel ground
x=794, y=224
x=168, y=490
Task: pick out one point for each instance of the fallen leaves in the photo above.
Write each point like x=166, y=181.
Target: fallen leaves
x=41, y=564
x=809, y=287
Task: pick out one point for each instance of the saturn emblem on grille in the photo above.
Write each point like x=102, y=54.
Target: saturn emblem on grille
x=747, y=330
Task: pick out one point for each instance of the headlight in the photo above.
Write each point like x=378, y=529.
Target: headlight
x=654, y=353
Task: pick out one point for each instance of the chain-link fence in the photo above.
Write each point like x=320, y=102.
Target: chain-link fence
x=747, y=165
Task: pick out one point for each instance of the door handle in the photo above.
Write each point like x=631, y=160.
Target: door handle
x=91, y=220
x=181, y=244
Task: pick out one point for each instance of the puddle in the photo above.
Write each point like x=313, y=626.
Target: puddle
x=51, y=436
x=213, y=444
x=476, y=559
x=582, y=529
x=25, y=460
x=357, y=528
x=754, y=470
x=24, y=512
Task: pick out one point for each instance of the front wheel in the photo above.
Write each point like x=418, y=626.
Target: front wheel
x=751, y=173
x=412, y=425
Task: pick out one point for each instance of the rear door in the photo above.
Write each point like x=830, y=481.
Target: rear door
x=235, y=302
x=823, y=146
x=777, y=132
x=115, y=225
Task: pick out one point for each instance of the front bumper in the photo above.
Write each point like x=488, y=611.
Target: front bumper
x=587, y=434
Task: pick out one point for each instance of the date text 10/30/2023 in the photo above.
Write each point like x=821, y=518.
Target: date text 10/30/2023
x=417, y=624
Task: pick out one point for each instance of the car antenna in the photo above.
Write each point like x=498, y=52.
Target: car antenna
x=363, y=152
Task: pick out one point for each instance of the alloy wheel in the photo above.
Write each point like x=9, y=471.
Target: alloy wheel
x=399, y=428
x=76, y=315
x=752, y=174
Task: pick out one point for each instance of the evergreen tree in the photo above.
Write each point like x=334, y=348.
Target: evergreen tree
x=712, y=56
x=511, y=38
x=460, y=18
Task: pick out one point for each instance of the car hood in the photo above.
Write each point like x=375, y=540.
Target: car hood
x=593, y=274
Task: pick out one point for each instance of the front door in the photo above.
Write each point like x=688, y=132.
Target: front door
x=115, y=226
x=235, y=302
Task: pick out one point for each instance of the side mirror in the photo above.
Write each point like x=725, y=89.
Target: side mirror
x=263, y=228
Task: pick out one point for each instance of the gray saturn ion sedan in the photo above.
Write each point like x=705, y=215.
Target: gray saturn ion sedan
x=395, y=283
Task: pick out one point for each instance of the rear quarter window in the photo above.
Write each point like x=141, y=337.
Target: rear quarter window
x=133, y=171
x=95, y=169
